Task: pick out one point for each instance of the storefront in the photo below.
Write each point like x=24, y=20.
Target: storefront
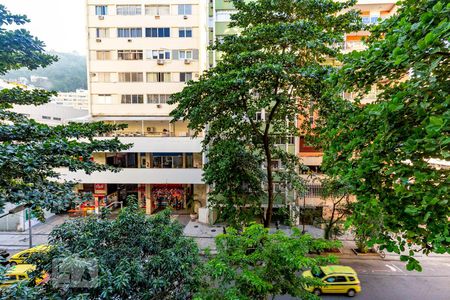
x=152, y=198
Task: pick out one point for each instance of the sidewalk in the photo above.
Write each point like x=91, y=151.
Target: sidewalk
x=204, y=235
x=16, y=241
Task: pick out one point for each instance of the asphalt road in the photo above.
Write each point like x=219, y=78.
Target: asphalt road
x=389, y=280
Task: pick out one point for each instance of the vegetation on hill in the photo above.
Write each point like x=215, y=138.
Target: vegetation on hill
x=65, y=75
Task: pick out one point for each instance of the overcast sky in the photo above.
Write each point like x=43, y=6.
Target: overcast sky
x=59, y=23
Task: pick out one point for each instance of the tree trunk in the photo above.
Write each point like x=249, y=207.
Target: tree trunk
x=268, y=153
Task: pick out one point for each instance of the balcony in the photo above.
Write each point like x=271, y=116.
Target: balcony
x=143, y=128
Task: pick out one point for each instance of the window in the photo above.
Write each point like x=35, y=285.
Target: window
x=331, y=279
x=132, y=99
x=313, y=191
x=101, y=10
x=158, y=77
x=185, y=76
x=46, y=117
x=129, y=32
x=258, y=116
x=104, y=99
x=185, y=54
x=341, y=279
x=351, y=278
x=22, y=277
x=103, y=55
x=131, y=77
x=167, y=160
x=159, y=54
x=185, y=32
x=157, y=32
x=157, y=98
x=130, y=54
x=281, y=140
x=185, y=9
x=102, y=32
x=276, y=164
x=56, y=119
x=157, y=10
x=103, y=77
x=129, y=10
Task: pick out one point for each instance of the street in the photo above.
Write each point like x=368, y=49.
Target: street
x=388, y=279
x=381, y=279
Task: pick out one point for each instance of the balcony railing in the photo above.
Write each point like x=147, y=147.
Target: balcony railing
x=148, y=134
x=354, y=45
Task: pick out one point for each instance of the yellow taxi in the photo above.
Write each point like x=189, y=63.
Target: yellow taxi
x=336, y=279
x=21, y=272
x=20, y=257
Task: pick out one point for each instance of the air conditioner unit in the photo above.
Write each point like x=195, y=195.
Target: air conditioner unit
x=158, y=105
x=130, y=40
x=196, y=75
x=185, y=17
x=160, y=61
x=151, y=129
x=98, y=40
x=101, y=17
x=157, y=17
x=187, y=61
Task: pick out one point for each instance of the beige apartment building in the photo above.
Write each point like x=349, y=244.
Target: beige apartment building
x=140, y=52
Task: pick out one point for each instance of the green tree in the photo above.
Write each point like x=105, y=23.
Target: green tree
x=137, y=257
x=336, y=193
x=256, y=264
x=273, y=66
x=29, y=151
x=383, y=149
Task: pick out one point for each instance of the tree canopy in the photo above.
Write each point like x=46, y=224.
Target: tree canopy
x=29, y=151
x=267, y=75
x=134, y=256
x=256, y=264
x=384, y=149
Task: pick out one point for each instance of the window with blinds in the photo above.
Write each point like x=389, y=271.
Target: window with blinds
x=132, y=99
x=157, y=10
x=157, y=98
x=131, y=77
x=128, y=10
x=130, y=54
x=158, y=77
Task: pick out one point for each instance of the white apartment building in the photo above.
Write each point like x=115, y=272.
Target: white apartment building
x=139, y=53
x=77, y=99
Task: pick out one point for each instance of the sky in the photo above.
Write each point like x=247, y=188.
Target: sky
x=60, y=24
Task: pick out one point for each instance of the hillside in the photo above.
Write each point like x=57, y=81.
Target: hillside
x=67, y=74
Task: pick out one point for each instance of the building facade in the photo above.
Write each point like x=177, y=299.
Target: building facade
x=77, y=99
x=139, y=53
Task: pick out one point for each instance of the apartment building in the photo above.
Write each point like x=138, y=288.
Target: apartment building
x=372, y=11
x=140, y=52
x=77, y=99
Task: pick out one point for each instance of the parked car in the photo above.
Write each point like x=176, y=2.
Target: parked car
x=336, y=279
x=20, y=257
x=21, y=272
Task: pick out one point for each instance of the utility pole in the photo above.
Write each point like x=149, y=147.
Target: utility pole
x=30, y=235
